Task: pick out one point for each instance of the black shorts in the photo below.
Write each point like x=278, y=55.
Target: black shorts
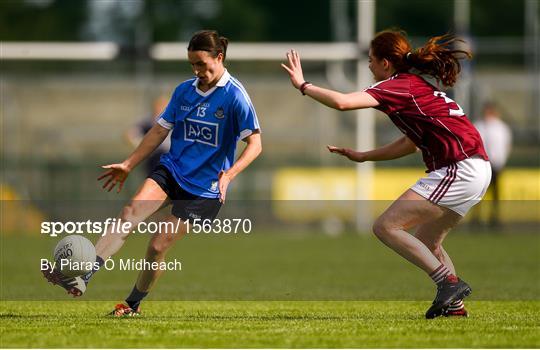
x=185, y=205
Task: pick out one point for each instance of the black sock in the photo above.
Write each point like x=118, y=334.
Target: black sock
x=100, y=261
x=135, y=298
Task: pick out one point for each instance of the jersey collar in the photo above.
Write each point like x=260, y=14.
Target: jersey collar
x=224, y=79
x=221, y=83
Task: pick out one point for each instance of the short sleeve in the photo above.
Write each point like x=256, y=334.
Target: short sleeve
x=167, y=117
x=246, y=120
x=391, y=94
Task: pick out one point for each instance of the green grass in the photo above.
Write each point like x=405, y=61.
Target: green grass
x=266, y=324
x=266, y=266
x=280, y=290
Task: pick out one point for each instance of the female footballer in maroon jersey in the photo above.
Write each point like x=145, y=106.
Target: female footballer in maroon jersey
x=458, y=168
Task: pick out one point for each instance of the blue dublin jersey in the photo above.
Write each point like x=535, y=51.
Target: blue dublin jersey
x=205, y=129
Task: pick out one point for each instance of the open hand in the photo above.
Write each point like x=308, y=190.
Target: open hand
x=294, y=68
x=116, y=174
x=346, y=152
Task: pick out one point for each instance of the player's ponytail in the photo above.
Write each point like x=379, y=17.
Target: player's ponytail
x=210, y=41
x=437, y=57
x=224, y=43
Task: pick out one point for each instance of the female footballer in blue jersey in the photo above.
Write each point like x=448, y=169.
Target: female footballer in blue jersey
x=207, y=114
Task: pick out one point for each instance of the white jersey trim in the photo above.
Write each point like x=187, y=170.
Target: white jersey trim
x=457, y=139
x=380, y=82
x=167, y=125
x=245, y=133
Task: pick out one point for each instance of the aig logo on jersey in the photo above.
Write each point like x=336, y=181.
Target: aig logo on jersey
x=202, y=132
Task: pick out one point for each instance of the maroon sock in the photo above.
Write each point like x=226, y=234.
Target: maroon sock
x=439, y=274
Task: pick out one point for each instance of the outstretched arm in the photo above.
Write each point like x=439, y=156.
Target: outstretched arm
x=330, y=98
x=117, y=173
x=397, y=149
x=149, y=143
x=252, y=151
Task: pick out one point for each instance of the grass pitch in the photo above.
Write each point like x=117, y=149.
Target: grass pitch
x=266, y=324
x=275, y=291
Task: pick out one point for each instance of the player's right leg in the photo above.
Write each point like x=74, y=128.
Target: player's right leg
x=148, y=199
x=73, y=285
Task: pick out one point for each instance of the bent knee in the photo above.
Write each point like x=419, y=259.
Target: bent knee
x=381, y=228
x=131, y=213
x=159, y=246
x=156, y=248
x=385, y=228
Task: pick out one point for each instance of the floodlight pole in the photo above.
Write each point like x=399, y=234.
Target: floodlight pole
x=365, y=118
x=462, y=23
x=532, y=55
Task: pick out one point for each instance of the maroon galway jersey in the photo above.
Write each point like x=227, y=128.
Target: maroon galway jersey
x=435, y=123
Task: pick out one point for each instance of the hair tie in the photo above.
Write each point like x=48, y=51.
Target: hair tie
x=408, y=55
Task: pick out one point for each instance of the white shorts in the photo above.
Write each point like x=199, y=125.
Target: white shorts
x=458, y=186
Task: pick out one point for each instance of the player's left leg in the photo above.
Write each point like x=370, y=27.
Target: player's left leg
x=158, y=246
x=432, y=235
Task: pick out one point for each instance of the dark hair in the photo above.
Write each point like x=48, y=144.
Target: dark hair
x=210, y=41
x=436, y=58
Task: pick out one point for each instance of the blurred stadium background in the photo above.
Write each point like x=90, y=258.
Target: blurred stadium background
x=76, y=75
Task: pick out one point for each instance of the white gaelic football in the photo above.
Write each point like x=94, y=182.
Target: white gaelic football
x=74, y=255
